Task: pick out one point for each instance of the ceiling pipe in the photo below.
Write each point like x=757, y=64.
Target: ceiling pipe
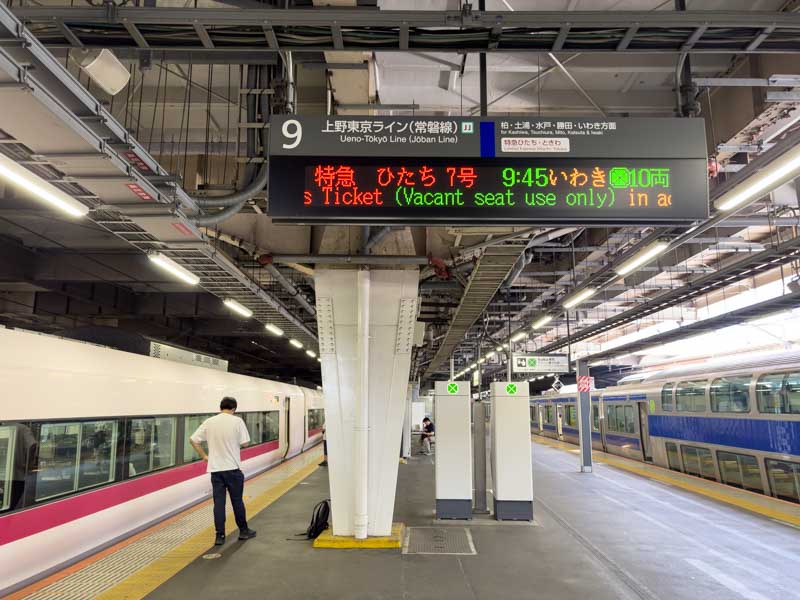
x=343, y=259
x=377, y=237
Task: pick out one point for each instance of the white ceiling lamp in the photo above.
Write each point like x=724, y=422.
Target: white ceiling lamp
x=642, y=258
x=481, y=361
x=498, y=349
x=238, y=308
x=311, y=353
x=319, y=360
x=505, y=345
x=576, y=299
x=296, y=343
x=541, y=322
x=273, y=329
x=778, y=172
x=491, y=354
x=173, y=268
x=106, y=70
x=26, y=180
x=519, y=336
x=473, y=365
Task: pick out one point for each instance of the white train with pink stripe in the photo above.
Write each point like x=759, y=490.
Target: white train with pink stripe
x=93, y=444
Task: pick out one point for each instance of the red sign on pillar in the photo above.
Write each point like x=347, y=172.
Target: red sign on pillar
x=585, y=383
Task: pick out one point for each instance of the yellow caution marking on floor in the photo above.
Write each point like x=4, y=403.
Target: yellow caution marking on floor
x=394, y=540
x=759, y=504
x=146, y=580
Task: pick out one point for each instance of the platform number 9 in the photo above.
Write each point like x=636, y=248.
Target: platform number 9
x=292, y=130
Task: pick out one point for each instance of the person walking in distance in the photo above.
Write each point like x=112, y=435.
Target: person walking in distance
x=225, y=434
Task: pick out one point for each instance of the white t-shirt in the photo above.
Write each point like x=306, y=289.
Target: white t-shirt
x=224, y=433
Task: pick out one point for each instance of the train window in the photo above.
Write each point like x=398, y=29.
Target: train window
x=316, y=420
x=666, y=398
x=273, y=426
x=151, y=444
x=730, y=394
x=630, y=425
x=191, y=423
x=784, y=479
x=690, y=396
x=595, y=417
x=98, y=457
x=673, y=458
x=571, y=418
x=792, y=391
x=58, y=457
x=611, y=418
x=769, y=394
x=8, y=477
x=548, y=414
x=740, y=470
x=255, y=426
x=698, y=461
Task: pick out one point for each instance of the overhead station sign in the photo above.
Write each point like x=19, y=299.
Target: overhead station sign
x=431, y=170
x=540, y=363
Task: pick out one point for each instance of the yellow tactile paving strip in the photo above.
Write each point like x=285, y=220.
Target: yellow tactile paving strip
x=135, y=567
x=767, y=506
x=394, y=540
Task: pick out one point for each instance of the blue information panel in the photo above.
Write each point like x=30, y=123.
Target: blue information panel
x=488, y=171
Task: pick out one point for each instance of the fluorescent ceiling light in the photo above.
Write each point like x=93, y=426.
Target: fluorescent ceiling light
x=542, y=321
x=491, y=354
x=520, y=336
x=481, y=361
x=311, y=353
x=318, y=360
x=296, y=343
x=21, y=177
x=319, y=388
x=540, y=377
x=551, y=374
x=274, y=329
x=238, y=308
x=498, y=349
x=173, y=268
x=505, y=345
x=473, y=365
x=642, y=258
x=579, y=297
x=774, y=174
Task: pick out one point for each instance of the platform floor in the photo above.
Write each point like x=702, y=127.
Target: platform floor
x=605, y=535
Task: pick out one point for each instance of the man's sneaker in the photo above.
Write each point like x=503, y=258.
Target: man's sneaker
x=220, y=539
x=246, y=534
x=324, y=463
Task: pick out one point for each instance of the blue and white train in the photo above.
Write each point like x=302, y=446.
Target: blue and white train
x=736, y=422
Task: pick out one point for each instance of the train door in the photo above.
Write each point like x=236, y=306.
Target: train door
x=560, y=421
x=603, y=425
x=540, y=412
x=644, y=432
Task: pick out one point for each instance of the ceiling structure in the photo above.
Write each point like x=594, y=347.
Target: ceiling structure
x=159, y=165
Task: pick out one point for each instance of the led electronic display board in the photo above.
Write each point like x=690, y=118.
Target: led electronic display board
x=486, y=176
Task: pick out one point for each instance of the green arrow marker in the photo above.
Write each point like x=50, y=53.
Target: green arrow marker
x=511, y=388
x=452, y=388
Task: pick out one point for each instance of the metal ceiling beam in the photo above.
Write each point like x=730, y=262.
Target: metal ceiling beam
x=590, y=31
x=735, y=317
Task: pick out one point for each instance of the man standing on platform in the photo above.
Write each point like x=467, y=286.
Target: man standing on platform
x=225, y=434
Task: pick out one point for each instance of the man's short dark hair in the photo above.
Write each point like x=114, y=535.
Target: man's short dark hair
x=228, y=403
x=426, y=419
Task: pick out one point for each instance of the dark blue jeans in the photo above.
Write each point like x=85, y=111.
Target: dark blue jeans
x=233, y=483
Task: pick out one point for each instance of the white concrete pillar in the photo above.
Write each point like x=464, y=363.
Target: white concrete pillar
x=392, y=310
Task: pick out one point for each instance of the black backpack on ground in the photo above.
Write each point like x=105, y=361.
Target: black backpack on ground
x=319, y=520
